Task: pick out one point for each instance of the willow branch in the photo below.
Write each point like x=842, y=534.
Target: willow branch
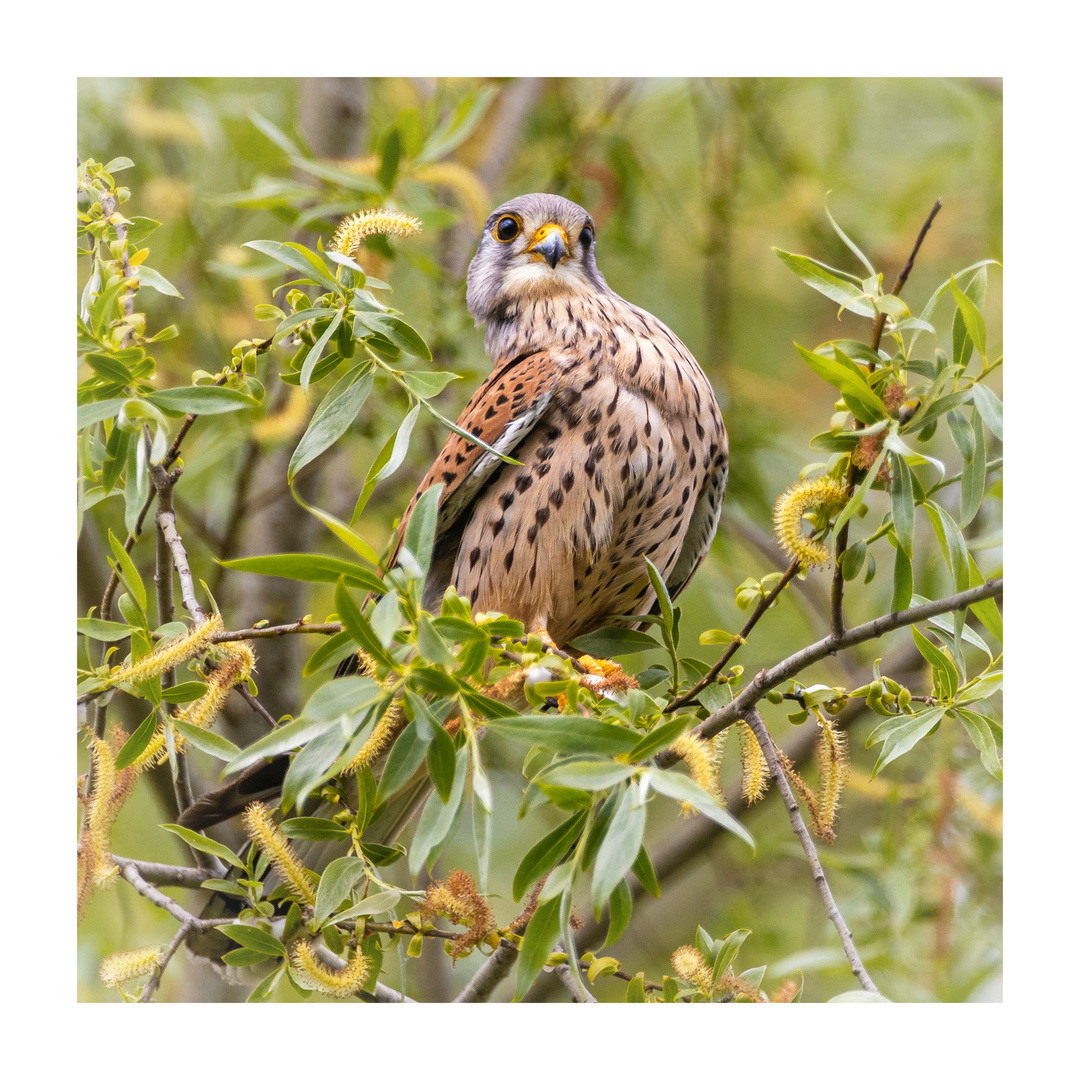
x=565, y=976
x=837, y=598
x=154, y=981
x=298, y=627
x=166, y=520
x=757, y=725
x=488, y=976
x=185, y=877
x=762, y=606
x=130, y=873
x=768, y=678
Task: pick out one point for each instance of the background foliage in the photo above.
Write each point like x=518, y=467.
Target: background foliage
x=691, y=184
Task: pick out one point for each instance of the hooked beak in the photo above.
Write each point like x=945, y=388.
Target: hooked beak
x=551, y=244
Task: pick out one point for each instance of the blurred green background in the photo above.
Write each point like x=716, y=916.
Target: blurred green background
x=690, y=182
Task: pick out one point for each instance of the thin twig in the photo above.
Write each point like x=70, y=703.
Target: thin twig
x=837, y=597
x=257, y=707
x=762, y=606
x=488, y=976
x=166, y=520
x=757, y=725
x=768, y=678
x=566, y=977
x=130, y=873
x=155, y=980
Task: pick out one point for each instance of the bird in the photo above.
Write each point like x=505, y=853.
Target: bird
x=622, y=447
x=621, y=451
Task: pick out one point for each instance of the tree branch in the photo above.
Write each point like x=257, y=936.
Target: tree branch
x=762, y=606
x=298, y=627
x=488, y=976
x=757, y=725
x=837, y=608
x=166, y=520
x=154, y=982
x=130, y=873
x=185, y=877
x=565, y=976
x=768, y=678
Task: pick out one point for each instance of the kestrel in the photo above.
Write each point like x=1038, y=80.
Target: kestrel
x=622, y=446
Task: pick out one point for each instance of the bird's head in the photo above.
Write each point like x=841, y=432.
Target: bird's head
x=532, y=248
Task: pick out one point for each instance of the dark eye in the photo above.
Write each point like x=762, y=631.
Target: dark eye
x=586, y=237
x=506, y=228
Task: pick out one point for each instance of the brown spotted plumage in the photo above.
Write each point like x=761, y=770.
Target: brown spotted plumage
x=622, y=447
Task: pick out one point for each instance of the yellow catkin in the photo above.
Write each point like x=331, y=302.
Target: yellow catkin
x=690, y=966
x=260, y=826
x=755, y=769
x=315, y=975
x=352, y=230
x=832, y=760
x=386, y=727
x=701, y=758
x=170, y=654
x=122, y=967
x=237, y=663
x=788, y=513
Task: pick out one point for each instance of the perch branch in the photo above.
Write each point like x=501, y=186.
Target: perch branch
x=488, y=976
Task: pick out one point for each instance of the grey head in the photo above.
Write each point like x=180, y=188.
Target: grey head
x=534, y=247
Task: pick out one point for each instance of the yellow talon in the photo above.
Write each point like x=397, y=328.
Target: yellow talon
x=603, y=676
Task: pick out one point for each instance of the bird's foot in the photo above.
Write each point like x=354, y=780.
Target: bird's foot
x=604, y=678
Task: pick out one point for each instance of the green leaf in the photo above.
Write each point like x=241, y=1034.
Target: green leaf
x=587, y=775
x=458, y=126
x=438, y=819
x=264, y=990
x=635, y=989
x=903, y=583
x=973, y=476
x=901, y=733
x=102, y=629
x=441, y=761
x=986, y=611
x=299, y=567
x=137, y=742
x=151, y=278
x=95, y=411
x=204, y=843
x=540, y=937
x=986, y=401
x=620, y=846
x=849, y=379
x=827, y=281
x=397, y=331
x=132, y=581
x=942, y=665
x=615, y=641
x=314, y=830
x=903, y=504
x=331, y=651
x=335, y=885
x=951, y=541
x=425, y=384
x=682, y=788
x=209, y=742
x=387, y=460
x=252, y=937
x=973, y=320
x=621, y=910
x=983, y=737
x=298, y=258
x=849, y=243
x=184, y=692
x=661, y=736
x=566, y=734
x=244, y=957
x=546, y=854
x=406, y=756
x=274, y=133
x=420, y=531
x=358, y=626
x=645, y=872
x=312, y=357
x=338, y=528
x=316, y=762
x=201, y=400
x=333, y=417
x=372, y=905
